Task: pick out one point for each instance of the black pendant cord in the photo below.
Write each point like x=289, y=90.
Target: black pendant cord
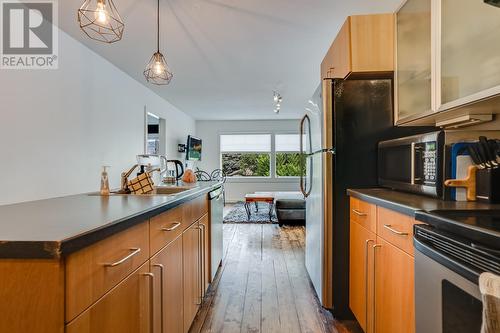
x=158, y=28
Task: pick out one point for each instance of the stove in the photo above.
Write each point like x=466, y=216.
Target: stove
x=451, y=251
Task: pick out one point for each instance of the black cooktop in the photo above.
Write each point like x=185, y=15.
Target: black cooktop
x=478, y=225
x=486, y=219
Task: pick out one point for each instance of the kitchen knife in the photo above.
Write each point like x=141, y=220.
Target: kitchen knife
x=475, y=157
x=483, y=152
x=490, y=153
x=495, y=149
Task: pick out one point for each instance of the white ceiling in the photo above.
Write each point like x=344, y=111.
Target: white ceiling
x=228, y=56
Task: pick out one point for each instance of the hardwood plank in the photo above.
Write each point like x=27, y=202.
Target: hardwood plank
x=305, y=302
x=237, y=285
x=216, y=317
x=289, y=321
x=270, y=306
x=251, y=321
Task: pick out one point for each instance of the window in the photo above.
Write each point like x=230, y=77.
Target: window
x=246, y=155
x=288, y=157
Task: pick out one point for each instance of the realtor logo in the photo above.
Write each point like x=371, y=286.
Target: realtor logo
x=29, y=34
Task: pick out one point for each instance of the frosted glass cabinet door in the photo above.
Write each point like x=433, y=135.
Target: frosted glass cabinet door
x=413, y=25
x=470, y=49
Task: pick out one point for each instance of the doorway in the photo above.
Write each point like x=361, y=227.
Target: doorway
x=155, y=134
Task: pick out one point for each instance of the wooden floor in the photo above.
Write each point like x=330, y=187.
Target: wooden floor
x=263, y=286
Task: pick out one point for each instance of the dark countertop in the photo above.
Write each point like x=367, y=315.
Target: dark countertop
x=53, y=228
x=409, y=204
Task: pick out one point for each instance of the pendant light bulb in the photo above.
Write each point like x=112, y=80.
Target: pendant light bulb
x=101, y=15
x=158, y=67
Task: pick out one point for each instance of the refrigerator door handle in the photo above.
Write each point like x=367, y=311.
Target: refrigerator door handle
x=303, y=168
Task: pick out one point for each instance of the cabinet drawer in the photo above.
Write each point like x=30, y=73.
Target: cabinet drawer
x=396, y=228
x=95, y=270
x=125, y=309
x=363, y=213
x=195, y=209
x=165, y=227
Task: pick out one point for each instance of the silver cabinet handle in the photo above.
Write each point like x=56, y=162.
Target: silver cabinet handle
x=121, y=261
x=368, y=241
x=374, y=284
x=359, y=213
x=201, y=240
x=161, y=294
x=173, y=226
x=391, y=229
x=151, y=301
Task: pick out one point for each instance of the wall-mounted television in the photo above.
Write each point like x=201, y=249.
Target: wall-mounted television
x=193, y=149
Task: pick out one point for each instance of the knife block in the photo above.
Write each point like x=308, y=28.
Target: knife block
x=488, y=185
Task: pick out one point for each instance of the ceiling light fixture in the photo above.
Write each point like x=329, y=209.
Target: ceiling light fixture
x=277, y=102
x=157, y=70
x=100, y=20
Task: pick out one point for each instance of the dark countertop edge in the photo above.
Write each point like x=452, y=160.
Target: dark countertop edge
x=403, y=209
x=59, y=249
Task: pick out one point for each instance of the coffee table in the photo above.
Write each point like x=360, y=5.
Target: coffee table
x=259, y=197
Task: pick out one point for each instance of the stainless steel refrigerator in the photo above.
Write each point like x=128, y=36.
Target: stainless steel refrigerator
x=344, y=121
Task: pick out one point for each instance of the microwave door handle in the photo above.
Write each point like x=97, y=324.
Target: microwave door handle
x=412, y=167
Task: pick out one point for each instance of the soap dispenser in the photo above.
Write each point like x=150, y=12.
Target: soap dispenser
x=104, y=181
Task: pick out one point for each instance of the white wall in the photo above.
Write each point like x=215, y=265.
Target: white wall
x=236, y=189
x=58, y=127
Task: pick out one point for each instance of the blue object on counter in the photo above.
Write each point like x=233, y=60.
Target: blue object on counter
x=457, y=149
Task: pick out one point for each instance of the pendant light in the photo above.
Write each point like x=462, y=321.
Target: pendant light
x=157, y=70
x=100, y=20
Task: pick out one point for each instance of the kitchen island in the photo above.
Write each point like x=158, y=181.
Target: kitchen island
x=122, y=263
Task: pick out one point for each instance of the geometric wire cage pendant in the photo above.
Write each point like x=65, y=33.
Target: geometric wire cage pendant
x=100, y=20
x=157, y=70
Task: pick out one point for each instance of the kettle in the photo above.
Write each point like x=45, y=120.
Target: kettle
x=178, y=171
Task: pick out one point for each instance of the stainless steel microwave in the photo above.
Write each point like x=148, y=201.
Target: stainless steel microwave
x=414, y=164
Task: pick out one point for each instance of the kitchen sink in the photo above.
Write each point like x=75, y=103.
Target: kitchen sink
x=160, y=190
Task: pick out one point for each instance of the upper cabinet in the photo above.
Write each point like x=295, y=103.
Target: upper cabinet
x=447, y=62
x=364, y=44
x=413, y=58
x=469, y=61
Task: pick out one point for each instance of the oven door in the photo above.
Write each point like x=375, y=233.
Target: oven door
x=445, y=302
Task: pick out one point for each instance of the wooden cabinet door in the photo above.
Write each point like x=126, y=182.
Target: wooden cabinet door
x=371, y=43
x=361, y=274
x=167, y=267
x=191, y=240
x=126, y=308
x=205, y=252
x=341, y=57
x=394, y=294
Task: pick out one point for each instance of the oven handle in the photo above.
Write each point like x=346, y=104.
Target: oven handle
x=485, y=249
x=433, y=253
